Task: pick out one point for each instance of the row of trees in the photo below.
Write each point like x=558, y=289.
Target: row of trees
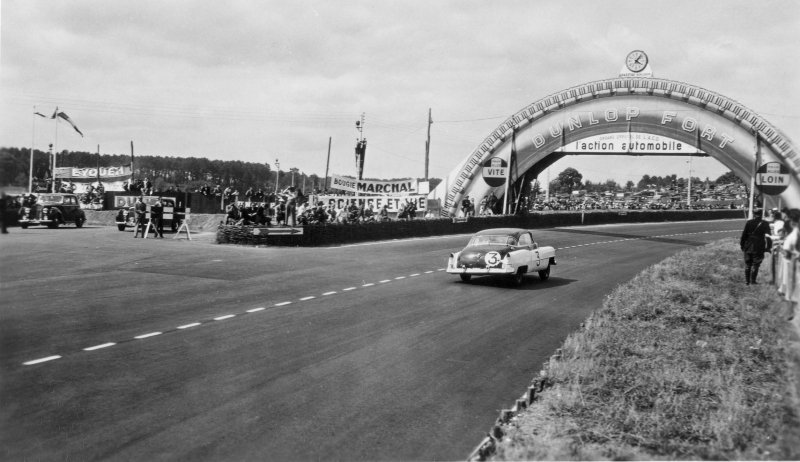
x=188, y=173
x=572, y=180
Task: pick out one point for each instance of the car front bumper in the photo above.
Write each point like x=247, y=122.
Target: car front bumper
x=465, y=270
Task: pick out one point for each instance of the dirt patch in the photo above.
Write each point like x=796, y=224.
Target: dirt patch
x=197, y=221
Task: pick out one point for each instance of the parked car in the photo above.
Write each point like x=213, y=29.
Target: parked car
x=53, y=210
x=510, y=252
x=126, y=216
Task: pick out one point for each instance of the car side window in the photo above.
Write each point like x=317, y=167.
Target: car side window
x=525, y=239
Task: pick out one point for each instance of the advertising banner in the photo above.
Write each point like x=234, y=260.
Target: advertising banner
x=377, y=187
x=633, y=143
x=113, y=178
x=106, y=173
x=394, y=203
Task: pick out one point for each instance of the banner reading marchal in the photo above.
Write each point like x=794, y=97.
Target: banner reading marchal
x=402, y=187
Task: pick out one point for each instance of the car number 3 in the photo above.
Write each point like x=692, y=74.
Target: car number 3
x=492, y=258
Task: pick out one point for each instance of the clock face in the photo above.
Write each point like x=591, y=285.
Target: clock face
x=636, y=61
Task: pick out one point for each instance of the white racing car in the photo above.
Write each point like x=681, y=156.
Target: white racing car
x=505, y=252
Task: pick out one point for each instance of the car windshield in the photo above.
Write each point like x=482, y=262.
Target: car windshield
x=491, y=239
x=50, y=199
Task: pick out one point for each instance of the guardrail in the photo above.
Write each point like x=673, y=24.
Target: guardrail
x=337, y=233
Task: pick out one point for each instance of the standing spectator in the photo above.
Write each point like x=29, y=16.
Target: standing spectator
x=157, y=218
x=790, y=249
x=248, y=194
x=140, y=208
x=384, y=213
x=482, y=205
x=754, y=243
x=291, y=206
x=3, y=211
x=280, y=212
x=465, y=205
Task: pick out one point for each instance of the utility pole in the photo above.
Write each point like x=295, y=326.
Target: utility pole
x=428, y=144
x=689, y=189
x=328, y=164
x=293, y=170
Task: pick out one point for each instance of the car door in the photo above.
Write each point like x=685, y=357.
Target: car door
x=530, y=250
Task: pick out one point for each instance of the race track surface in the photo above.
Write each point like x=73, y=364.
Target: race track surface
x=130, y=349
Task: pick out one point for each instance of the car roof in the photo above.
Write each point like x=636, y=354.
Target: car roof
x=505, y=231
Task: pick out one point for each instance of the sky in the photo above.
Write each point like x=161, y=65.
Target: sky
x=258, y=81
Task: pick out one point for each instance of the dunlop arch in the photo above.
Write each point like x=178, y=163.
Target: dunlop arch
x=718, y=126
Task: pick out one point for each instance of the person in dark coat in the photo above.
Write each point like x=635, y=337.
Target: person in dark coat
x=157, y=218
x=754, y=244
x=140, y=208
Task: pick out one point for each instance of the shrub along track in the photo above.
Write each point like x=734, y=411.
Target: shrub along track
x=682, y=362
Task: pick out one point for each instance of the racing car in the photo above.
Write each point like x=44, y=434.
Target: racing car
x=509, y=252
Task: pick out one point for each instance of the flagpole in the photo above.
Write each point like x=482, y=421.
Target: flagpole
x=33, y=140
x=753, y=178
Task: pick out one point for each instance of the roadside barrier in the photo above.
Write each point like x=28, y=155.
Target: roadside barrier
x=337, y=233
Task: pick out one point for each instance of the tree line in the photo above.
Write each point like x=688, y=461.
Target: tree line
x=571, y=179
x=187, y=173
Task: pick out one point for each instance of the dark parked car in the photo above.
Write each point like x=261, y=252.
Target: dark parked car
x=53, y=210
x=126, y=216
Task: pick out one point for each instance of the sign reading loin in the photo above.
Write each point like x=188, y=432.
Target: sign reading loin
x=772, y=178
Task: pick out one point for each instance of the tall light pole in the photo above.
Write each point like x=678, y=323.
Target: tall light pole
x=293, y=170
x=277, y=174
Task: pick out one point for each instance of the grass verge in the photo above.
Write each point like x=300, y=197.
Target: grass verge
x=682, y=362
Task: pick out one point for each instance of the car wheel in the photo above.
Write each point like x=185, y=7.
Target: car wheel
x=516, y=279
x=121, y=227
x=79, y=222
x=545, y=273
x=52, y=225
x=465, y=277
x=23, y=225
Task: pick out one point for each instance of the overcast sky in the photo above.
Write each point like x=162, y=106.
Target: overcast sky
x=258, y=80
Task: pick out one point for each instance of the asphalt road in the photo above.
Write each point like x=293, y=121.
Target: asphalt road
x=131, y=349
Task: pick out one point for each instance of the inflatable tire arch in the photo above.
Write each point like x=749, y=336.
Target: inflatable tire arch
x=716, y=125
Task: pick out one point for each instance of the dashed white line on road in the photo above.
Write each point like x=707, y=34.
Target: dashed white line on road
x=283, y=303
x=41, y=360
x=369, y=284
x=307, y=298
x=384, y=281
x=254, y=310
x=222, y=318
x=428, y=272
x=413, y=275
x=400, y=277
x=330, y=293
x=187, y=326
x=348, y=289
x=151, y=334
x=97, y=347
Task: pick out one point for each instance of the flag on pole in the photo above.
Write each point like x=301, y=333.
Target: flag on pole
x=40, y=114
x=55, y=113
x=66, y=117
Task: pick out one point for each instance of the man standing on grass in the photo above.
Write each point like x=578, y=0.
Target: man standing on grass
x=754, y=243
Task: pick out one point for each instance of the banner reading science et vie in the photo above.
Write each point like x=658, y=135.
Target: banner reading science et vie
x=393, y=203
x=377, y=187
